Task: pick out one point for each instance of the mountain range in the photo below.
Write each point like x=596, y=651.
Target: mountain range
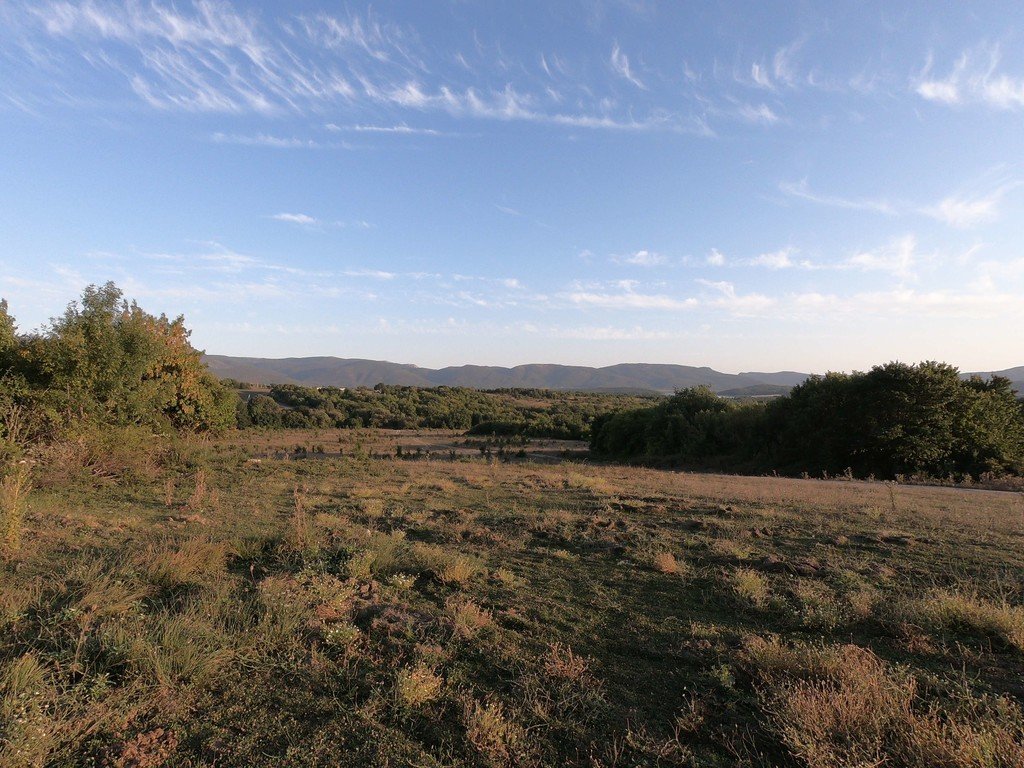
x=625, y=377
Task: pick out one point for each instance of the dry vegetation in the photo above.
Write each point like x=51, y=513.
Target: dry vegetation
x=218, y=607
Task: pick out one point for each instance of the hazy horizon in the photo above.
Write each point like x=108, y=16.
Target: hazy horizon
x=745, y=186
x=621, y=362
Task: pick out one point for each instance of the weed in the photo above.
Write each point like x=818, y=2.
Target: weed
x=190, y=564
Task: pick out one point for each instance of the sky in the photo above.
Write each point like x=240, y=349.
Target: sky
x=759, y=185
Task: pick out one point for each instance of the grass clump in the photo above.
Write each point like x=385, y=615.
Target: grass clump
x=416, y=686
x=192, y=563
x=467, y=617
x=495, y=737
x=855, y=710
x=750, y=586
x=966, y=613
x=667, y=563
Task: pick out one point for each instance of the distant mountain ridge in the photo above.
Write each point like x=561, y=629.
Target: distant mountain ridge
x=624, y=377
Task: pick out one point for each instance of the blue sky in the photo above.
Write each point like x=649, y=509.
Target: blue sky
x=750, y=186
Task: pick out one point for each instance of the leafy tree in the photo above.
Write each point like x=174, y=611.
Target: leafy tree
x=108, y=361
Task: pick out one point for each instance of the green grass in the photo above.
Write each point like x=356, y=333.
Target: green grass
x=358, y=611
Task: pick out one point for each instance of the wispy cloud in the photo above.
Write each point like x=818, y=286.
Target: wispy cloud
x=898, y=257
x=775, y=260
x=779, y=72
x=630, y=300
x=377, y=274
x=266, y=140
x=727, y=298
x=974, y=77
x=402, y=129
x=969, y=210
x=759, y=114
x=963, y=209
x=213, y=57
x=802, y=190
x=296, y=218
x=620, y=63
x=716, y=258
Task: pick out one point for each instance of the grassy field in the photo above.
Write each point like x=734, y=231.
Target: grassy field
x=219, y=606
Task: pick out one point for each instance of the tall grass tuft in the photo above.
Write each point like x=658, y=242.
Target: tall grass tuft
x=14, y=489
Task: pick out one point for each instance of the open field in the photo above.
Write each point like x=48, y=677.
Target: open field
x=222, y=607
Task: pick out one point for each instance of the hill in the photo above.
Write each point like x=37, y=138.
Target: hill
x=625, y=377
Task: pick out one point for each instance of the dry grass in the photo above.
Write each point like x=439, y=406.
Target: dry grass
x=666, y=562
x=966, y=613
x=430, y=611
x=14, y=489
x=496, y=738
x=417, y=686
x=467, y=617
x=750, y=586
x=173, y=566
x=861, y=712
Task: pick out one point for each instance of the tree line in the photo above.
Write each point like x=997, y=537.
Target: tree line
x=500, y=412
x=896, y=419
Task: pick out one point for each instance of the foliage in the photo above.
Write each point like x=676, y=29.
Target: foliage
x=504, y=412
x=896, y=419
x=107, y=362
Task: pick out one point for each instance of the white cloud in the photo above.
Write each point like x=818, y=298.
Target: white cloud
x=742, y=305
x=377, y=274
x=630, y=300
x=296, y=218
x=385, y=129
x=211, y=57
x=965, y=211
x=775, y=260
x=933, y=90
x=265, y=140
x=716, y=258
x=897, y=257
x=759, y=74
x=620, y=63
x=781, y=72
x=973, y=78
x=641, y=259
